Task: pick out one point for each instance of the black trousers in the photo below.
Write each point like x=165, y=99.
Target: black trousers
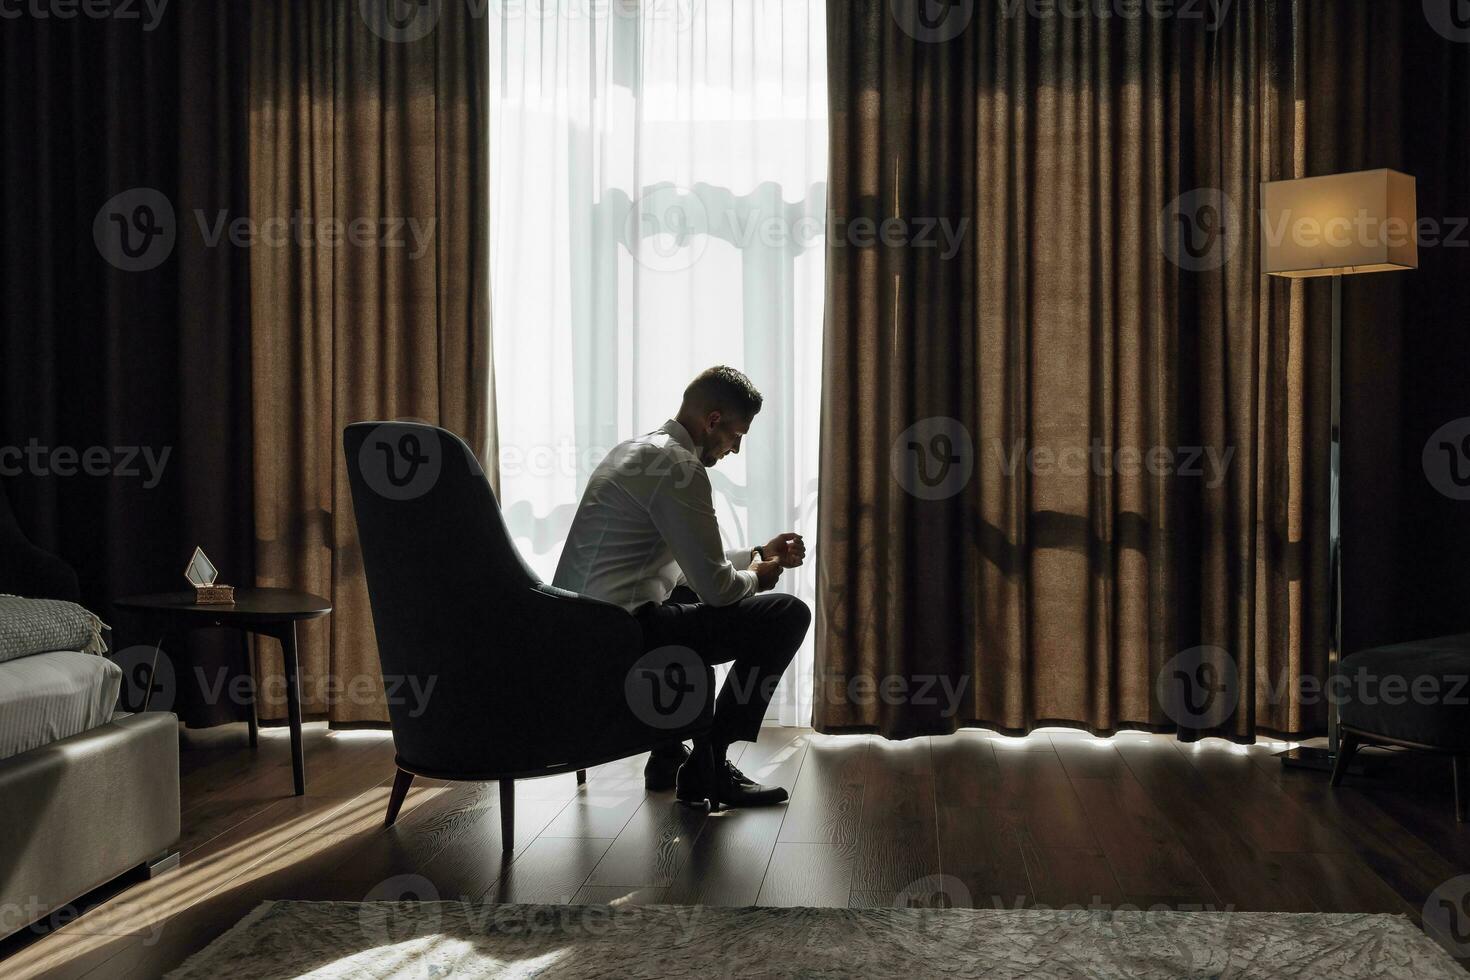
x=760, y=634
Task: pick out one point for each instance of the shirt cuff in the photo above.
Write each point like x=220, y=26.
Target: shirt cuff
x=752, y=582
x=740, y=558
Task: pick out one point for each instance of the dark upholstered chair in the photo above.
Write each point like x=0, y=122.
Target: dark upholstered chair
x=527, y=679
x=1414, y=695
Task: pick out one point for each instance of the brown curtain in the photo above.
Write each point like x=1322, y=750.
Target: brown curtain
x=150, y=363
x=1071, y=322
x=355, y=125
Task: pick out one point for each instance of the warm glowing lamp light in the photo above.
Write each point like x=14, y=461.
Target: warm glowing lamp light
x=1343, y=224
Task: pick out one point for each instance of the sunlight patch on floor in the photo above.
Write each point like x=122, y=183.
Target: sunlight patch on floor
x=434, y=955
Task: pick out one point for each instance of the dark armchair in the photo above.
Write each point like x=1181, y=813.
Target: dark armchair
x=520, y=678
x=1412, y=695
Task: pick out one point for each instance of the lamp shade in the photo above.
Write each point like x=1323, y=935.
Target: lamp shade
x=1341, y=224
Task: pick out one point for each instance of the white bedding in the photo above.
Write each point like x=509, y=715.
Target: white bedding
x=51, y=696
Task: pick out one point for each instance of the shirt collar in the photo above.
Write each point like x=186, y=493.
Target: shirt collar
x=681, y=436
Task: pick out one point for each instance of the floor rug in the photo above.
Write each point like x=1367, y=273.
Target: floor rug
x=455, y=939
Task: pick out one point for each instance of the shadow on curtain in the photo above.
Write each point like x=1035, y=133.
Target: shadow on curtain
x=368, y=142
x=1084, y=458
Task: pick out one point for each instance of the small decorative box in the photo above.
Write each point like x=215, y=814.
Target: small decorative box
x=202, y=574
x=211, y=595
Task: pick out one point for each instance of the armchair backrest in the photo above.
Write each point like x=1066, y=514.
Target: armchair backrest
x=448, y=591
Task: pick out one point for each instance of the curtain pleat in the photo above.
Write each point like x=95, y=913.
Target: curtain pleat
x=358, y=130
x=1077, y=323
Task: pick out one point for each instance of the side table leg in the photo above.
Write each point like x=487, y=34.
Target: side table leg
x=293, y=705
x=153, y=672
x=249, y=664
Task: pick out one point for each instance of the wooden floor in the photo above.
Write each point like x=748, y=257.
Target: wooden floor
x=1055, y=819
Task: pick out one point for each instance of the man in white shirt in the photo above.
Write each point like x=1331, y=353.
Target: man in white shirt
x=646, y=537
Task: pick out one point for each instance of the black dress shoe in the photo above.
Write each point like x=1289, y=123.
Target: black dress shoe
x=662, y=766
x=739, y=777
x=737, y=794
x=701, y=783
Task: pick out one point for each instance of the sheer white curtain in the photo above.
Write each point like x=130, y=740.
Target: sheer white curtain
x=659, y=178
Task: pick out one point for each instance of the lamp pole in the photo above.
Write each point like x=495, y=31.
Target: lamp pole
x=1305, y=757
x=1334, y=521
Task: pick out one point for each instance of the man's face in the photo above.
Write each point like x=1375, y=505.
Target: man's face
x=723, y=434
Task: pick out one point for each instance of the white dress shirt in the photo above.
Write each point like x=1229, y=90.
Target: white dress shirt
x=647, y=524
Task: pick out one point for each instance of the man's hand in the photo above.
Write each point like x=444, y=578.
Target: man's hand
x=789, y=549
x=768, y=572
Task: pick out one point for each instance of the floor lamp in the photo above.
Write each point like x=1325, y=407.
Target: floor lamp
x=1339, y=225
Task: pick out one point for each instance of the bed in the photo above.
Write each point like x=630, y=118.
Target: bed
x=51, y=696
x=86, y=794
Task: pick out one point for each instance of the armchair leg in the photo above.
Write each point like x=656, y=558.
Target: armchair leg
x=507, y=814
x=581, y=777
x=1347, y=747
x=1462, y=787
x=401, y=782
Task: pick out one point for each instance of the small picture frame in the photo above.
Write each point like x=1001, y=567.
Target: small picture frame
x=202, y=574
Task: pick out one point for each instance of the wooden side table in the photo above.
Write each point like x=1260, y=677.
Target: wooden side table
x=265, y=612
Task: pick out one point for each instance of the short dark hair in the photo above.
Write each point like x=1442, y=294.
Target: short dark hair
x=723, y=388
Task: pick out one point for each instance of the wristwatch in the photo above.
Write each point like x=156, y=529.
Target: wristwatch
x=757, y=554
